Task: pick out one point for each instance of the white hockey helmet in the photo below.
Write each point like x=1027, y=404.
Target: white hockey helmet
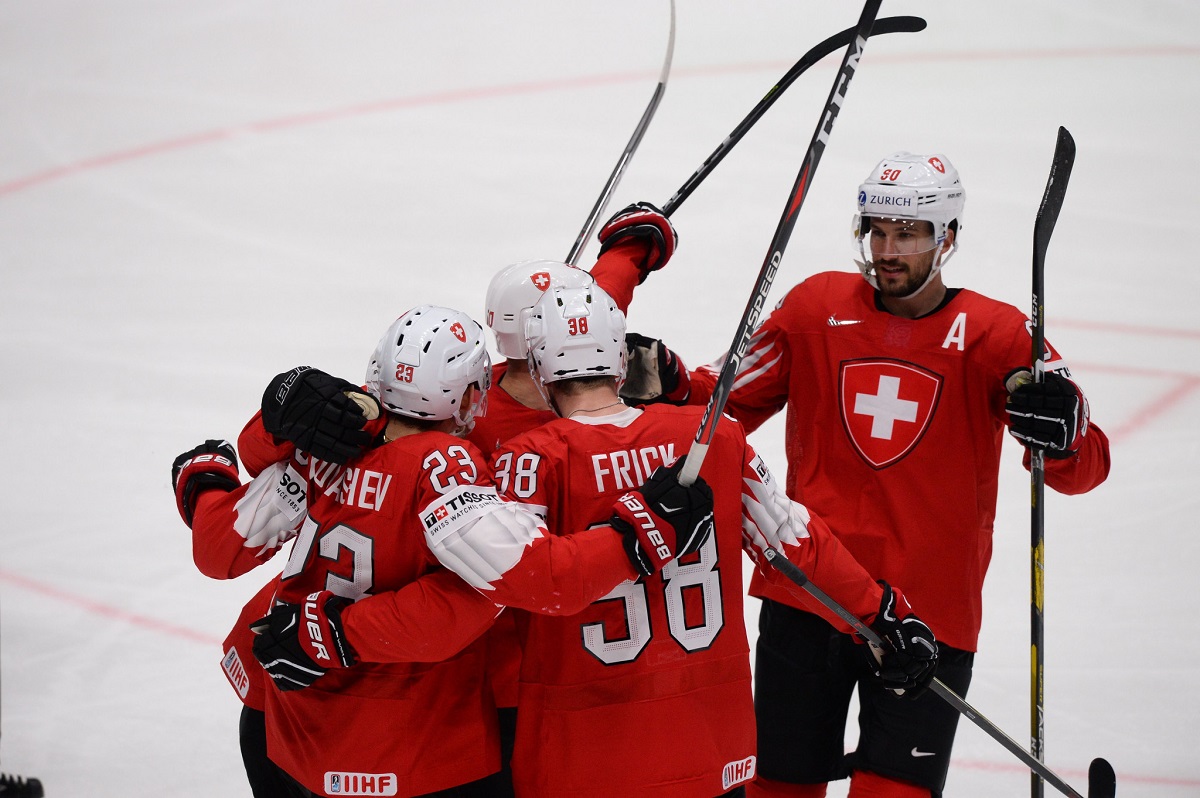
x=514, y=290
x=425, y=362
x=574, y=332
x=908, y=186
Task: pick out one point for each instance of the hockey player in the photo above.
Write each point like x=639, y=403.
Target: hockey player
x=637, y=240
x=655, y=675
x=383, y=522
x=898, y=391
x=312, y=410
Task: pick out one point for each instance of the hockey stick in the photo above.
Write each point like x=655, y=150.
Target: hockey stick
x=1043, y=227
x=783, y=231
x=1101, y=781
x=593, y=219
x=816, y=54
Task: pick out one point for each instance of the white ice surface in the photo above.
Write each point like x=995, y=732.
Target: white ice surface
x=195, y=196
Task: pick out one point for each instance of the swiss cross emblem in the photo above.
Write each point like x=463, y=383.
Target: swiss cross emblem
x=458, y=331
x=936, y=163
x=541, y=280
x=886, y=407
x=440, y=513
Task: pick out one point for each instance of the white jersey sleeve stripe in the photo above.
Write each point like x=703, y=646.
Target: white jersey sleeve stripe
x=478, y=535
x=271, y=510
x=769, y=517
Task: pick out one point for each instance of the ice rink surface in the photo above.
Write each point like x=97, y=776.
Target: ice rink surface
x=196, y=196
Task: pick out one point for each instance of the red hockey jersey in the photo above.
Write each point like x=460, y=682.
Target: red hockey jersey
x=894, y=428
x=411, y=727
x=389, y=521
x=652, y=680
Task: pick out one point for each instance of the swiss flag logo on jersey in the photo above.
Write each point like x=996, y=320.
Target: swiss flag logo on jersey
x=541, y=280
x=886, y=407
x=458, y=331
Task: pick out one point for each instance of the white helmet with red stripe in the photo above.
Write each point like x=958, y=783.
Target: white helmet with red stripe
x=575, y=332
x=514, y=290
x=908, y=186
x=425, y=362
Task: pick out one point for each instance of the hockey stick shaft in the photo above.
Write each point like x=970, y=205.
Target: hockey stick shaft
x=783, y=232
x=593, y=219
x=792, y=572
x=809, y=59
x=1043, y=227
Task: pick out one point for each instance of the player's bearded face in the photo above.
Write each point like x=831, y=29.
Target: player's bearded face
x=902, y=254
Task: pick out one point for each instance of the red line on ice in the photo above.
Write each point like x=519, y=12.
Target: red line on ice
x=107, y=610
x=489, y=92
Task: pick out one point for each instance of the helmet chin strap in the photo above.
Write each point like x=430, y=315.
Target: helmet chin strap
x=868, y=270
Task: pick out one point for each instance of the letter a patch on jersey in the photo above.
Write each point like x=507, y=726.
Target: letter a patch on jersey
x=886, y=406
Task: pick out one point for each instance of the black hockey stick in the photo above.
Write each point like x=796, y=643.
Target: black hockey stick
x=816, y=54
x=1043, y=227
x=1101, y=781
x=783, y=231
x=606, y=194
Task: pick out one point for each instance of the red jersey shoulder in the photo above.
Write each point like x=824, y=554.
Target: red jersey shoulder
x=535, y=450
x=996, y=329
x=505, y=417
x=829, y=298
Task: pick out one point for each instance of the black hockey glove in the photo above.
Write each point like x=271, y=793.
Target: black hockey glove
x=297, y=645
x=663, y=519
x=1051, y=416
x=647, y=223
x=212, y=464
x=909, y=662
x=315, y=412
x=654, y=374
x=20, y=787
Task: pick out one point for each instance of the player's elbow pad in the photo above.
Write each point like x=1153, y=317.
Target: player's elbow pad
x=478, y=535
x=272, y=508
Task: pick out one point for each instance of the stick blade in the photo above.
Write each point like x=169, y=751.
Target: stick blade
x=1102, y=780
x=1056, y=190
x=898, y=25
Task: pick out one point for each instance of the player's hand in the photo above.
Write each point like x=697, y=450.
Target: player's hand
x=297, y=644
x=212, y=464
x=321, y=414
x=663, y=519
x=1051, y=416
x=643, y=222
x=654, y=374
x=907, y=665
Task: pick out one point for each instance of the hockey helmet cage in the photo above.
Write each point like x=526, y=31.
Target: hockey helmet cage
x=425, y=362
x=574, y=332
x=514, y=290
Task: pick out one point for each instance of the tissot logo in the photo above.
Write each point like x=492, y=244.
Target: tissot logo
x=886, y=406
